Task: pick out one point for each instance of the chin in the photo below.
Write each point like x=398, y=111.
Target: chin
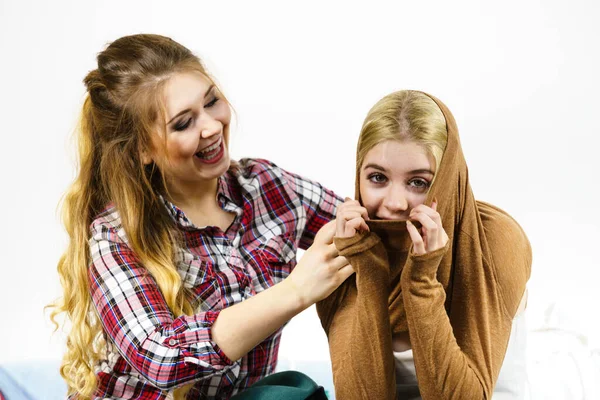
x=227, y=165
x=224, y=164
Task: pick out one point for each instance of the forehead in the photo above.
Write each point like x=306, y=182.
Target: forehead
x=183, y=90
x=400, y=156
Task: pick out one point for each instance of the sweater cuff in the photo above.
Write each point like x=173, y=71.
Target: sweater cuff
x=360, y=242
x=420, y=266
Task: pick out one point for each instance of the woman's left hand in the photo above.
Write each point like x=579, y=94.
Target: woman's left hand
x=432, y=236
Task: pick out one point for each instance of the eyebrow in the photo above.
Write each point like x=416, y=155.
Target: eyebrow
x=189, y=109
x=375, y=166
x=414, y=171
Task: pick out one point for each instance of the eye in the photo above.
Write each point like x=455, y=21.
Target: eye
x=183, y=125
x=419, y=184
x=212, y=102
x=377, y=178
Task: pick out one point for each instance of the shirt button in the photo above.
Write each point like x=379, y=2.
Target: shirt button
x=172, y=342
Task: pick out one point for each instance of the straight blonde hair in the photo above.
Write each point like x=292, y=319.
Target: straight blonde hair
x=403, y=116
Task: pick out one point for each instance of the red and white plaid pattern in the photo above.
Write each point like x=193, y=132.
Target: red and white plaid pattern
x=149, y=351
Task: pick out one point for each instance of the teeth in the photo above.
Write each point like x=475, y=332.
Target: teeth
x=211, y=148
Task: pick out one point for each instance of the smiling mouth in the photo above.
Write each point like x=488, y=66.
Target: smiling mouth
x=211, y=151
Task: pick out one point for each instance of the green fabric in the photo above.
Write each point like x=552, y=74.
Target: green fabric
x=288, y=385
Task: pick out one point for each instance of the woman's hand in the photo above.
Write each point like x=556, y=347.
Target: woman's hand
x=350, y=217
x=321, y=270
x=432, y=236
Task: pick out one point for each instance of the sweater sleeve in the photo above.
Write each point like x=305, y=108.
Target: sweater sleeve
x=456, y=357
x=356, y=320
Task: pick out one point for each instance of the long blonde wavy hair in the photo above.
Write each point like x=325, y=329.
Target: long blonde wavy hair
x=404, y=116
x=123, y=107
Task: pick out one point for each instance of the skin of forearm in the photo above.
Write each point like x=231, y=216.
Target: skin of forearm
x=241, y=327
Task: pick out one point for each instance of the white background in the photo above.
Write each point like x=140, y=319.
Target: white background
x=519, y=76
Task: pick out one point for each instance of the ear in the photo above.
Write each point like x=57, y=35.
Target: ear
x=145, y=156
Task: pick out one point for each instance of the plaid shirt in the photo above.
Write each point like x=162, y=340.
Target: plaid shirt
x=150, y=352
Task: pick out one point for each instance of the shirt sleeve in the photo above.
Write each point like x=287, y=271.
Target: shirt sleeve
x=167, y=351
x=320, y=205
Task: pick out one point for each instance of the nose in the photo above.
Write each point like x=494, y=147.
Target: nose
x=396, y=200
x=210, y=127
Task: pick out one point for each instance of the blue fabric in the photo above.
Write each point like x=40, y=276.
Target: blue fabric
x=33, y=380
x=11, y=388
x=41, y=380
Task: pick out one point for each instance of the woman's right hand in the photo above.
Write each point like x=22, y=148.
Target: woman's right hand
x=320, y=270
x=350, y=217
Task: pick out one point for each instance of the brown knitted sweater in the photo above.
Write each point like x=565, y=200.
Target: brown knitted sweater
x=457, y=303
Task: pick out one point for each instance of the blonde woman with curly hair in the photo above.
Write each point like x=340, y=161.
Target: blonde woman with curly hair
x=181, y=266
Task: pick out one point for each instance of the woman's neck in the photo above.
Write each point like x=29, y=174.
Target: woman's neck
x=194, y=195
x=199, y=203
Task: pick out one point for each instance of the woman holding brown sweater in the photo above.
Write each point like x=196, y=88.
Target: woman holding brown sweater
x=439, y=276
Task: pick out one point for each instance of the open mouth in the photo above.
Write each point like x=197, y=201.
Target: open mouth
x=212, y=152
